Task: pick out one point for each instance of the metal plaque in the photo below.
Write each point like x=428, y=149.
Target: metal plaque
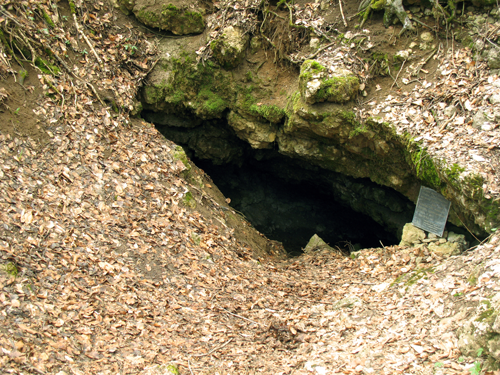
x=431, y=212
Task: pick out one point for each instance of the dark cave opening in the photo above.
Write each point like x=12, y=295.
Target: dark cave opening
x=286, y=199
x=291, y=212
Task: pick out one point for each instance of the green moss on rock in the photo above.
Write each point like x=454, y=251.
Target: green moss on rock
x=271, y=113
x=229, y=49
x=189, y=200
x=180, y=154
x=178, y=20
x=317, y=84
x=204, y=90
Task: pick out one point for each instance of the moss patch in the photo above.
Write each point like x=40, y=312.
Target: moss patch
x=180, y=154
x=10, y=268
x=423, y=166
x=271, y=113
x=203, y=89
x=179, y=21
x=189, y=200
x=46, y=67
x=338, y=89
x=317, y=84
x=413, y=277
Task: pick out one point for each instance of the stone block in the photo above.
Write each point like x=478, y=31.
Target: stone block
x=411, y=234
x=445, y=249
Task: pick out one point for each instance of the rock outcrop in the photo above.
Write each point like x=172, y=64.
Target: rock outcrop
x=317, y=83
x=237, y=99
x=229, y=49
x=481, y=332
x=178, y=17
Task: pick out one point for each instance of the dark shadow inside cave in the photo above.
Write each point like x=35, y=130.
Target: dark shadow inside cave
x=291, y=211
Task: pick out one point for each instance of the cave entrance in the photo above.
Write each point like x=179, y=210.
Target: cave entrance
x=291, y=211
x=290, y=200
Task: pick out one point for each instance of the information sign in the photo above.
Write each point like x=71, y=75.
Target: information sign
x=431, y=212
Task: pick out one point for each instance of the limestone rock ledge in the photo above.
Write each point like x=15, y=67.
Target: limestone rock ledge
x=317, y=83
x=311, y=120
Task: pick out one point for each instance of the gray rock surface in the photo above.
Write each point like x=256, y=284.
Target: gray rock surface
x=411, y=234
x=230, y=48
x=493, y=58
x=482, y=331
x=317, y=244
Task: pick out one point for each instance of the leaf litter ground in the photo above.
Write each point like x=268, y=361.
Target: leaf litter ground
x=106, y=270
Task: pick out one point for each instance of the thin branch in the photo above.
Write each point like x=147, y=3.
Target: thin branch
x=213, y=350
x=421, y=23
x=239, y=316
x=397, y=75
x=342, y=12
x=189, y=365
x=86, y=39
x=320, y=50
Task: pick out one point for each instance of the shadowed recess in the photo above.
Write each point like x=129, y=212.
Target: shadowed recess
x=293, y=211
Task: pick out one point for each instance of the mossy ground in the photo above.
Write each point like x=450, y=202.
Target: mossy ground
x=10, y=268
x=189, y=200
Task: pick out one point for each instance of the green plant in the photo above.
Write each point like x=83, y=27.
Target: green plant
x=189, y=200
x=461, y=360
x=46, y=67
x=438, y=364
x=131, y=47
x=476, y=369
x=16, y=112
x=10, y=268
x=479, y=352
x=249, y=76
x=173, y=370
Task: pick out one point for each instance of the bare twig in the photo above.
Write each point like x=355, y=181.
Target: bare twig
x=425, y=62
x=421, y=23
x=320, y=50
x=342, y=12
x=443, y=127
x=397, y=75
x=213, y=350
x=86, y=39
x=239, y=316
x=80, y=79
